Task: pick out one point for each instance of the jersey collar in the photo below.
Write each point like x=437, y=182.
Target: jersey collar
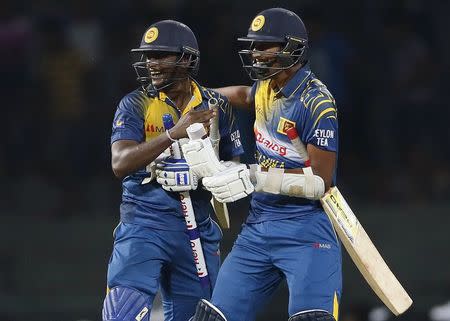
x=297, y=82
x=196, y=99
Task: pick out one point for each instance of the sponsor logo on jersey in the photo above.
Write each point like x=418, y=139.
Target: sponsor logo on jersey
x=284, y=124
x=318, y=245
x=236, y=139
x=258, y=23
x=154, y=129
x=279, y=149
x=268, y=162
x=151, y=35
x=322, y=136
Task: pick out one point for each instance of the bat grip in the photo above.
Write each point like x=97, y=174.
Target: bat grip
x=214, y=134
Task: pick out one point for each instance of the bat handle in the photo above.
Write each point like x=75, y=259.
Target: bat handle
x=214, y=134
x=189, y=217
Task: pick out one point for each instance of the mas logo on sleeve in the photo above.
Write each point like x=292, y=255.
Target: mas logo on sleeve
x=284, y=124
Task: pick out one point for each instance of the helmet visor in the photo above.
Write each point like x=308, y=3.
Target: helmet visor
x=162, y=69
x=266, y=59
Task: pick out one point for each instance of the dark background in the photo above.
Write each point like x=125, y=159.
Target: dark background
x=66, y=64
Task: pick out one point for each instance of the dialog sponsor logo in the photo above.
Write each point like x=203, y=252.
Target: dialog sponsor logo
x=281, y=150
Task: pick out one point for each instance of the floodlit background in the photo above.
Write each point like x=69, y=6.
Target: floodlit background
x=66, y=64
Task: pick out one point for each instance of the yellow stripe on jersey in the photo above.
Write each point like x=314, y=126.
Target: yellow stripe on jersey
x=196, y=99
x=335, y=306
x=154, y=111
x=313, y=100
x=155, y=108
x=322, y=102
x=330, y=109
x=264, y=97
x=316, y=82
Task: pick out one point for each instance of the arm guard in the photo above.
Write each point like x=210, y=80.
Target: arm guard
x=276, y=181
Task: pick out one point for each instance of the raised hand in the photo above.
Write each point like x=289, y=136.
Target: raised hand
x=193, y=116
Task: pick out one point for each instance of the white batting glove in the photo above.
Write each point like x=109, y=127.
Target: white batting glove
x=174, y=175
x=201, y=158
x=230, y=184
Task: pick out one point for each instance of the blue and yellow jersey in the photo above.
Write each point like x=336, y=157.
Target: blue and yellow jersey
x=306, y=104
x=139, y=118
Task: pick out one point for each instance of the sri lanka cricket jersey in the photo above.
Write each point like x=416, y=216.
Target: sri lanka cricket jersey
x=306, y=104
x=139, y=118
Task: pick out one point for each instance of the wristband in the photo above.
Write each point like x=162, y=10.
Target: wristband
x=168, y=136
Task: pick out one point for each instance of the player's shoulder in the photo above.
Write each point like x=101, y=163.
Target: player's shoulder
x=209, y=93
x=133, y=100
x=316, y=88
x=316, y=95
x=318, y=102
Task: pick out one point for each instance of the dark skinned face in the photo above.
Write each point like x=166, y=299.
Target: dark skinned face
x=164, y=67
x=264, y=53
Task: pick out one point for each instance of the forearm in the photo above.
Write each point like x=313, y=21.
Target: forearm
x=238, y=96
x=325, y=173
x=129, y=156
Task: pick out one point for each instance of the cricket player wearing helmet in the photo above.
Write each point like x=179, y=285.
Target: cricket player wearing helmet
x=287, y=234
x=152, y=248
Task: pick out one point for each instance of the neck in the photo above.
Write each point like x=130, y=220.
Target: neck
x=281, y=79
x=180, y=93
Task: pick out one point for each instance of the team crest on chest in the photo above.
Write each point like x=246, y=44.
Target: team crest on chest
x=284, y=124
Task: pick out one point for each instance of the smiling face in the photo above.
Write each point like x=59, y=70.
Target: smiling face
x=265, y=52
x=261, y=60
x=165, y=67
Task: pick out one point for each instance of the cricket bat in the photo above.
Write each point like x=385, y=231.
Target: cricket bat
x=189, y=217
x=220, y=209
x=358, y=244
x=364, y=253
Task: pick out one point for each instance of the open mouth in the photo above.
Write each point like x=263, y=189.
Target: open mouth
x=156, y=75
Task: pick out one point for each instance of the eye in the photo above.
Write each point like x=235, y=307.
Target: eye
x=157, y=55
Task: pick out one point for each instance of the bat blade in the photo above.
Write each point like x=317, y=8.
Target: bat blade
x=364, y=253
x=222, y=215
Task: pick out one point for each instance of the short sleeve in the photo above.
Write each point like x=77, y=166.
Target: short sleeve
x=321, y=124
x=128, y=123
x=230, y=138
